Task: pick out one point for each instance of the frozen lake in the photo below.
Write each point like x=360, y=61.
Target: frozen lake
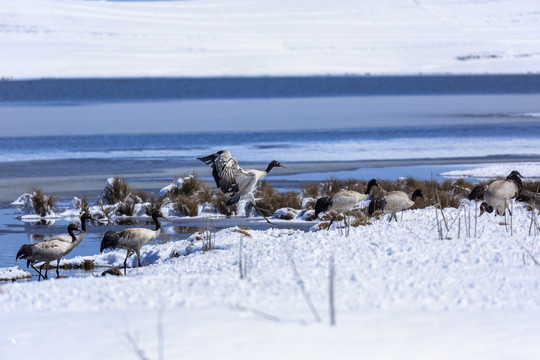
x=58, y=136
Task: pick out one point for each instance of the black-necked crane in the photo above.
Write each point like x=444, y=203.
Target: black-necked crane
x=393, y=202
x=48, y=250
x=233, y=180
x=80, y=236
x=342, y=201
x=497, y=196
x=132, y=239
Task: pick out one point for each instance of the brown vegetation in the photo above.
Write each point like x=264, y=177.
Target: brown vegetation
x=117, y=190
x=43, y=204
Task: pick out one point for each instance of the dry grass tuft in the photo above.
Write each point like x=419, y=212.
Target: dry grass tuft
x=82, y=204
x=311, y=190
x=114, y=271
x=126, y=207
x=334, y=185
x=87, y=265
x=185, y=205
x=154, y=204
x=359, y=218
x=43, y=204
x=219, y=203
x=243, y=231
x=532, y=185
x=104, y=210
x=116, y=190
x=141, y=196
x=270, y=199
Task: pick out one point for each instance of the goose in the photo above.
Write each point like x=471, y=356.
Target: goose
x=342, y=201
x=233, y=180
x=529, y=197
x=49, y=250
x=498, y=194
x=394, y=201
x=132, y=239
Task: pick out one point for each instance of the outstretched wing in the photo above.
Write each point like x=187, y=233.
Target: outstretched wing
x=226, y=171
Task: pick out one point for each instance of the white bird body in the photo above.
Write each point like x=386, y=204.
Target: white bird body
x=232, y=179
x=393, y=202
x=342, y=201
x=136, y=238
x=499, y=193
x=132, y=239
x=49, y=250
x=397, y=201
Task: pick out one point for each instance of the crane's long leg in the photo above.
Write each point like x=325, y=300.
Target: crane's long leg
x=38, y=271
x=331, y=221
x=138, y=257
x=260, y=212
x=57, y=266
x=125, y=260
x=46, y=270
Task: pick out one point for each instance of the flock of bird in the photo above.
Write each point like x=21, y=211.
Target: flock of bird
x=239, y=183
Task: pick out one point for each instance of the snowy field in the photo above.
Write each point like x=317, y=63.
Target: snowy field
x=400, y=293
x=85, y=38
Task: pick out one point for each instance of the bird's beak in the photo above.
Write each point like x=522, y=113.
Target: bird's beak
x=164, y=217
x=283, y=166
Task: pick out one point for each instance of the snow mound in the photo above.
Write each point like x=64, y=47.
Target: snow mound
x=13, y=273
x=527, y=170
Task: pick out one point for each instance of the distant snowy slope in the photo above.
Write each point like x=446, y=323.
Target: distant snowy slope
x=60, y=38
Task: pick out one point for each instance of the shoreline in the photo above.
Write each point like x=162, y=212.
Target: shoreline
x=82, y=183
x=117, y=89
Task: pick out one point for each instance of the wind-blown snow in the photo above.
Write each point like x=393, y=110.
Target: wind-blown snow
x=400, y=293
x=56, y=38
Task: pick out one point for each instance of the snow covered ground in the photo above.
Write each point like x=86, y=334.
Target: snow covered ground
x=80, y=38
x=400, y=292
x=528, y=170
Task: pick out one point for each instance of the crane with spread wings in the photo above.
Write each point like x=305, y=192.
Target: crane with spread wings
x=233, y=180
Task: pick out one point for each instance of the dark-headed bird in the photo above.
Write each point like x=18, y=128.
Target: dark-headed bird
x=342, y=201
x=233, y=180
x=49, y=250
x=498, y=194
x=132, y=239
x=393, y=202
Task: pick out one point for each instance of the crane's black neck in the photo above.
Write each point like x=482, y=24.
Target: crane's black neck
x=270, y=167
x=73, y=238
x=156, y=221
x=516, y=179
x=370, y=184
x=416, y=194
x=83, y=223
x=72, y=234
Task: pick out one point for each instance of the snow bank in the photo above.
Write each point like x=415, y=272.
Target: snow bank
x=13, y=273
x=530, y=171
x=397, y=286
x=267, y=37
